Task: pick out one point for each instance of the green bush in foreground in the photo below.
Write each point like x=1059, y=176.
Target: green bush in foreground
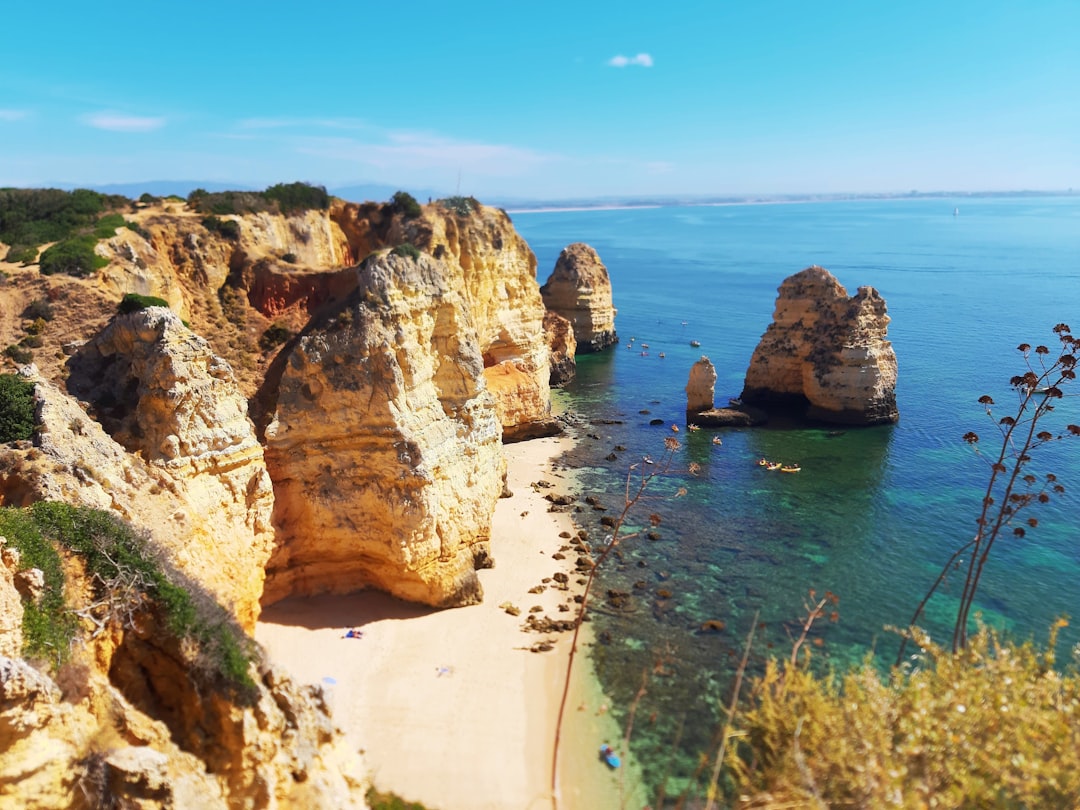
x=995, y=725
x=462, y=206
x=127, y=579
x=133, y=302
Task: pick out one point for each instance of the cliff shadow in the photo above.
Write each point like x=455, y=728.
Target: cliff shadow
x=345, y=612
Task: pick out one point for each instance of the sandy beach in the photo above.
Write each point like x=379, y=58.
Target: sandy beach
x=451, y=708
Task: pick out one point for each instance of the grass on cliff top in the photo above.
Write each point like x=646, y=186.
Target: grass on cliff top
x=283, y=198
x=127, y=581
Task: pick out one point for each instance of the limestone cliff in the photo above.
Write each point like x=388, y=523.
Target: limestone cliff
x=171, y=449
x=560, y=339
x=495, y=271
x=579, y=289
x=127, y=724
x=826, y=352
x=385, y=444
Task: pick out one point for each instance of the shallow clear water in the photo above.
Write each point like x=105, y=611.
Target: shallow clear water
x=875, y=512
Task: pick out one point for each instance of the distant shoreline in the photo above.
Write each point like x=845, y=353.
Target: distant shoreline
x=543, y=208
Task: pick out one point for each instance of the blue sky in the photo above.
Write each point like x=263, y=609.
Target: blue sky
x=547, y=100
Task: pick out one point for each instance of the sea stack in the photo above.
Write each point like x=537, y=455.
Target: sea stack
x=579, y=289
x=700, y=411
x=825, y=355
x=700, y=389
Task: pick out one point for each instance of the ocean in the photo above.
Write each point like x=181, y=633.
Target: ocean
x=875, y=512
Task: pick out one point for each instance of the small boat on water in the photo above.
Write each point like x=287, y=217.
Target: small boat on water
x=695, y=343
x=644, y=345
x=662, y=354
x=692, y=427
x=790, y=468
x=734, y=402
x=773, y=466
x=716, y=440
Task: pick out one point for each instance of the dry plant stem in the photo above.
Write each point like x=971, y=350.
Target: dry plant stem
x=1035, y=389
x=812, y=615
x=732, y=708
x=612, y=541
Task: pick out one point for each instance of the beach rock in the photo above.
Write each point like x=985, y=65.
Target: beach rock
x=579, y=289
x=700, y=389
x=740, y=416
x=825, y=354
x=176, y=423
x=385, y=444
x=560, y=339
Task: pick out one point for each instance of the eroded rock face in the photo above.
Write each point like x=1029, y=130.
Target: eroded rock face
x=385, y=445
x=826, y=352
x=90, y=744
x=494, y=270
x=561, y=343
x=176, y=424
x=701, y=387
x=11, y=609
x=579, y=289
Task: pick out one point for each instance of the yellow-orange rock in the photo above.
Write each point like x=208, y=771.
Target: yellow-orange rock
x=494, y=270
x=561, y=343
x=385, y=445
x=826, y=352
x=579, y=289
x=701, y=387
x=173, y=408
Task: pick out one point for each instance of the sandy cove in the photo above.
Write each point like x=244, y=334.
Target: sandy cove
x=450, y=707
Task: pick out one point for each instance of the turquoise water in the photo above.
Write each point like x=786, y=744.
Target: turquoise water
x=876, y=511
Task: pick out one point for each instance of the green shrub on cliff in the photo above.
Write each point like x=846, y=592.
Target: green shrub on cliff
x=229, y=228
x=462, y=206
x=406, y=249
x=283, y=198
x=73, y=257
x=405, y=203
x=16, y=408
x=133, y=302
x=129, y=581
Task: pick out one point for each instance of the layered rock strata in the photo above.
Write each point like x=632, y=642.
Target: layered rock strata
x=385, y=444
x=124, y=725
x=176, y=424
x=559, y=335
x=826, y=353
x=579, y=289
x=494, y=270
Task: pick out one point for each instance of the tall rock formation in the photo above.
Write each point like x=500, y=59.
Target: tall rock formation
x=701, y=387
x=579, y=289
x=494, y=271
x=385, y=445
x=826, y=352
x=176, y=424
x=560, y=339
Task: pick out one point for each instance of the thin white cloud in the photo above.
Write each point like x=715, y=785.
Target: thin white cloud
x=114, y=122
x=12, y=115
x=421, y=151
x=641, y=60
